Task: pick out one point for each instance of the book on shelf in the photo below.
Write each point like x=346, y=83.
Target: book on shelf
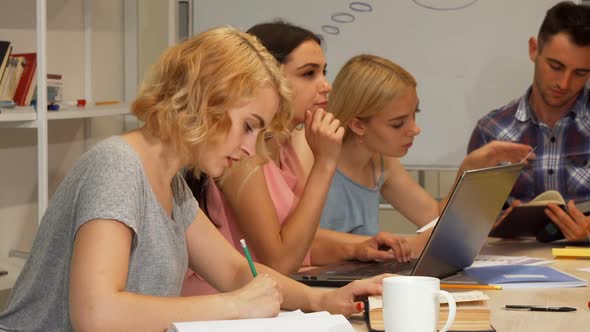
x=5, y=50
x=530, y=219
x=10, y=78
x=27, y=83
x=470, y=316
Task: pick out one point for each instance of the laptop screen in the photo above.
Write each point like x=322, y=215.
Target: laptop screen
x=473, y=207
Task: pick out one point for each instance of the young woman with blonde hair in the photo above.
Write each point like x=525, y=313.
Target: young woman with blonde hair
x=113, y=246
x=376, y=101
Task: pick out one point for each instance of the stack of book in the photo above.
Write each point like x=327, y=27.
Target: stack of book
x=470, y=316
x=473, y=313
x=18, y=78
x=17, y=75
x=28, y=80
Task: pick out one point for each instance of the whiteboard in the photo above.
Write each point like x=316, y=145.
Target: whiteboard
x=468, y=56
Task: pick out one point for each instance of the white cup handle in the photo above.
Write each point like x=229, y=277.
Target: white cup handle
x=452, y=310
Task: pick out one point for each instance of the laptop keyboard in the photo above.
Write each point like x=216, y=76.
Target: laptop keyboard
x=391, y=266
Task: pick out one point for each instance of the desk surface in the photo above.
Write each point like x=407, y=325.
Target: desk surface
x=506, y=321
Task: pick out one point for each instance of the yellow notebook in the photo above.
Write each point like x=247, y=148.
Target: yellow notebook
x=577, y=252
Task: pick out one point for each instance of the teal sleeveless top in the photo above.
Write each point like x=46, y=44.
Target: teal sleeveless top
x=352, y=207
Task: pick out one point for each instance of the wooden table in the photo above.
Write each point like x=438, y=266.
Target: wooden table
x=521, y=321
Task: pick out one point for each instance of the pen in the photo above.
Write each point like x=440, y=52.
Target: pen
x=538, y=308
x=529, y=154
x=468, y=286
x=248, y=257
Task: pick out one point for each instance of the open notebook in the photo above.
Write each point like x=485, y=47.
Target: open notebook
x=293, y=321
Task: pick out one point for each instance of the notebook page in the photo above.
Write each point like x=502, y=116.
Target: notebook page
x=286, y=322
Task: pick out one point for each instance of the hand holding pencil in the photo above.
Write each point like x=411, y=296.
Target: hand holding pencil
x=249, y=257
x=260, y=298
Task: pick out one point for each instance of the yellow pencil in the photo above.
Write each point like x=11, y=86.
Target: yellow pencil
x=470, y=286
x=106, y=102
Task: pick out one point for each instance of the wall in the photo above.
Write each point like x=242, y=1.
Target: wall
x=468, y=56
x=153, y=33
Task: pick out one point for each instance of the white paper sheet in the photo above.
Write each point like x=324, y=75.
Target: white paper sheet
x=428, y=226
x=295, y=321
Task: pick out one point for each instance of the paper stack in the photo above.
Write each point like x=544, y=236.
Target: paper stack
x=294, y=321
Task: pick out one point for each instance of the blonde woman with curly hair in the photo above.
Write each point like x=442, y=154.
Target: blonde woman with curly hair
x=113, y=247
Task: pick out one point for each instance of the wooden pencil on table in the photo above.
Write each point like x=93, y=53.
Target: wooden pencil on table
x=470, y=286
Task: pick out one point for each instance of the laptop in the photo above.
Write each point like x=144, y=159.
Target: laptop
x=461, y=231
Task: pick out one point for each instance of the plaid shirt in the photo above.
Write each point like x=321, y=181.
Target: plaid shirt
x=562, y=152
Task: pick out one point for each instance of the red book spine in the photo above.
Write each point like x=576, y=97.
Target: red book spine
x=22, y=89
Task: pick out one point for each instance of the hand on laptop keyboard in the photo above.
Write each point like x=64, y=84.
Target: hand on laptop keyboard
x=383, y=246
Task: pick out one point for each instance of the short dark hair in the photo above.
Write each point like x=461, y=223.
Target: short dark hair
x=280, y=37
x=569, y=18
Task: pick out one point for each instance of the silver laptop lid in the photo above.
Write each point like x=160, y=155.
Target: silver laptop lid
x=465, y=222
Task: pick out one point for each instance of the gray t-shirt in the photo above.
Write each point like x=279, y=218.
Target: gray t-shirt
x=108, y=182
x=351, y=207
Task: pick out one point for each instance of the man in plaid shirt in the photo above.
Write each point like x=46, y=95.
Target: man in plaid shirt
x=553, y=116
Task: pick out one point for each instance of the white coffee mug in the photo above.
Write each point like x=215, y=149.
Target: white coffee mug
x=411, y=304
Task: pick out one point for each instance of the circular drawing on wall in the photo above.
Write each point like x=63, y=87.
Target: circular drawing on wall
x=445, y=4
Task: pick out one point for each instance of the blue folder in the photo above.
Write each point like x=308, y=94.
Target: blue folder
x=523, y=276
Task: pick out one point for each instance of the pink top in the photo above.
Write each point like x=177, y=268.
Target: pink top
x=284, y=189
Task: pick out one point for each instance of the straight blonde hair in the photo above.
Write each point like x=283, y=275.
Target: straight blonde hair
x=364, y=86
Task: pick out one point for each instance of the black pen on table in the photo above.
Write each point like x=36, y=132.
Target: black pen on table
x=550, y=308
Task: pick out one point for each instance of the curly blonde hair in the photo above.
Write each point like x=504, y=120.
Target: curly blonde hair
x=364, y=86
x=186, y=97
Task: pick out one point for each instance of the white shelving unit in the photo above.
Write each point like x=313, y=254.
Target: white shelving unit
x=28, y=117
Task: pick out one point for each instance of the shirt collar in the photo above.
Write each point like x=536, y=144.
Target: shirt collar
x=525, y=110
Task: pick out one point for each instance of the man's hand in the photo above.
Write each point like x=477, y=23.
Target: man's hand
x=573, y=224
